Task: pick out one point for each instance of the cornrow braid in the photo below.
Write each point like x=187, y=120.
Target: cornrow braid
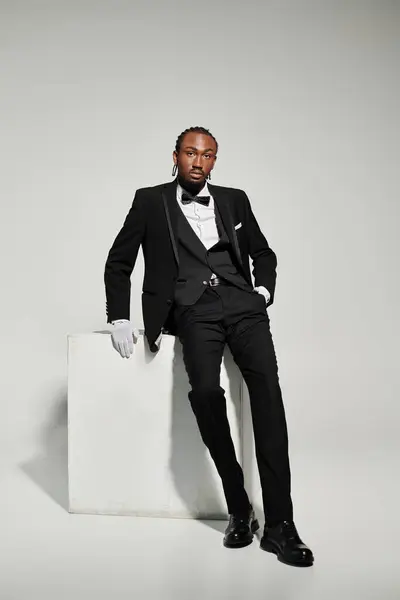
x=196, y=129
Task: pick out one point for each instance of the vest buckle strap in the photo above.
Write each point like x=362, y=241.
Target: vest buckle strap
x=217, y=281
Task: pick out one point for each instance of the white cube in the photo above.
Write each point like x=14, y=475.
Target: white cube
x=134, y=447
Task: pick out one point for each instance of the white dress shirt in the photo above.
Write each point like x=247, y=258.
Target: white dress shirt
x=201, y=218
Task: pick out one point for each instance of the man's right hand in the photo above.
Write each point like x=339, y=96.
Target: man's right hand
x=122, y=336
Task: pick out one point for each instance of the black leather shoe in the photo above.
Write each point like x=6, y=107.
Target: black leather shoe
x=239, y=532
x=284, y=541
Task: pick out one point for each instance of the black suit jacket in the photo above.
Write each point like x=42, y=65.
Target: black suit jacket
x=152, y=223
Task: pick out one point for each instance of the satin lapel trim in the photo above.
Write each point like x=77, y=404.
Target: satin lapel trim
x=168, y=192
x=222, y=202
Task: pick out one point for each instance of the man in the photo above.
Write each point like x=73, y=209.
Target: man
x=197, y=239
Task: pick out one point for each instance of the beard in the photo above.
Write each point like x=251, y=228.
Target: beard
x=193, y=187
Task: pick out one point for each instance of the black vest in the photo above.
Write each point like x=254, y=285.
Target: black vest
x=197, y=264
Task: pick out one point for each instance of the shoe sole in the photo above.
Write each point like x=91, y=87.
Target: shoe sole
x=269, y=547
x=254, y=527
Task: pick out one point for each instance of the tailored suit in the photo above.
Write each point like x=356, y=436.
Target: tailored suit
x=177, y=298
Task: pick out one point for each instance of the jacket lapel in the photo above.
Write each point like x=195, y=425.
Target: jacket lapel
x=222, y=201
x=171, y=208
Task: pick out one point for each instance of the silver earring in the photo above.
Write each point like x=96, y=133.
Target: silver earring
x=174, y=168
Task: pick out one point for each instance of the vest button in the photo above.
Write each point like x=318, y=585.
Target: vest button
x=169, y=301
x=205, y=282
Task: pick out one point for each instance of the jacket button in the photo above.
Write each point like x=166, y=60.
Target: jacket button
x=169, y=301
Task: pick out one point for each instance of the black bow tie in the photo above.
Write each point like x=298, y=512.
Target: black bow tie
x=187, y=199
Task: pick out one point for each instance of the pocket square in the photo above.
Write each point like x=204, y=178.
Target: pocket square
x=238, y=226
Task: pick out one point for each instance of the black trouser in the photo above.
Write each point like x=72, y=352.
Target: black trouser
x=226, y=314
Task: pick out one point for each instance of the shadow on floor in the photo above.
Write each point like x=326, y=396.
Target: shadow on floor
x=49, y=470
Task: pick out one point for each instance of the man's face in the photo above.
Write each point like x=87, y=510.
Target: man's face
x=196, y=158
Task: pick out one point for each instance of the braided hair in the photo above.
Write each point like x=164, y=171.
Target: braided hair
x=196, y=129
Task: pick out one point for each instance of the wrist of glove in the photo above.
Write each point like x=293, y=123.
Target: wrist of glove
x=264, y=292
x=123, y=337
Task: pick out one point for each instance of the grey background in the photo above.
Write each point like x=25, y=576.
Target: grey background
x=303, y=99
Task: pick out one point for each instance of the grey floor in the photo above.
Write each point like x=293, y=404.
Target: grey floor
x=47, y=553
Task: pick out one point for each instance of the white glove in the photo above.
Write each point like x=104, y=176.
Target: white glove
x=264, y=292
x=123, y=335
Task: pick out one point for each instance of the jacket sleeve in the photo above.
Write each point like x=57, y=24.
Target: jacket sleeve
x=121, y=260
x=263, y=257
